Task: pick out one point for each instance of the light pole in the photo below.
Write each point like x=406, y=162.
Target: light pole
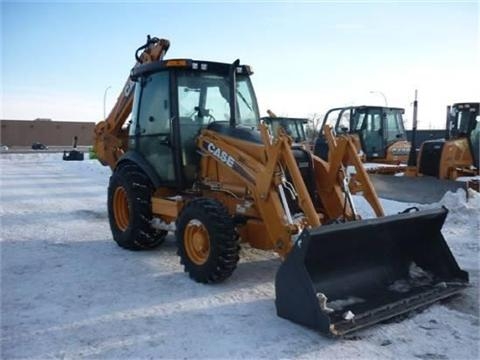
x=104, y=101
x=381, y=93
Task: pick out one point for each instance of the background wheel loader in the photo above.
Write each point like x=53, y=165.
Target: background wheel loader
x=459, y=152
x=195, y=160
x=377, y=132
x=436, y=166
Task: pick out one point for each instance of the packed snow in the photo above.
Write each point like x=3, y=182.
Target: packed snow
x=68, y=291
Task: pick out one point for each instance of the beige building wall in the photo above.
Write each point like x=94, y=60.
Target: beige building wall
x=48, y=132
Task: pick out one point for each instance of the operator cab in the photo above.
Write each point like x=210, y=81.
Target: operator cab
x=378, y=128
x=463, y=121
x=294, y=127
x=175, y=99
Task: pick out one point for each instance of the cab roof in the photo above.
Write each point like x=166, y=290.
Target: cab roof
x=189, y=64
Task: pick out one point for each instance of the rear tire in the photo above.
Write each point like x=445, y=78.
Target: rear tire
x=130, y=209
x=207, y=245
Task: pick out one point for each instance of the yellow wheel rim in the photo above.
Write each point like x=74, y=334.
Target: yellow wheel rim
x=197, y=242
x=120, y=208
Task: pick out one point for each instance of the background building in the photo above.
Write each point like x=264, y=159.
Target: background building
x=45, y=131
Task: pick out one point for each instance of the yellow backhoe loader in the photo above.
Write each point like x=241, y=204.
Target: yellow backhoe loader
x=195, y=160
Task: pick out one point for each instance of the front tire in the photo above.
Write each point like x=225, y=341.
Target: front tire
x=130, y=209
x=206, y=241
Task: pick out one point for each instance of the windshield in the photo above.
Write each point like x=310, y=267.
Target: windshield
x=204, y=98
x=338, y=119
x=292, y=127
x=370, y=120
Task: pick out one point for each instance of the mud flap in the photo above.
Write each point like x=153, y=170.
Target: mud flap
x=342, y=277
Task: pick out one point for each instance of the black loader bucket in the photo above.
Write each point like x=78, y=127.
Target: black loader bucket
x=342, y=277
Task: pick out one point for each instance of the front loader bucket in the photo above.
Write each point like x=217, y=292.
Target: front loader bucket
x=342, y=277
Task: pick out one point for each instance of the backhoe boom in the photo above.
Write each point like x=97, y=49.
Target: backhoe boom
x=110, y=137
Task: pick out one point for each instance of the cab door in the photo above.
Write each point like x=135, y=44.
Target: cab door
x=369, y=126
x=151, y=134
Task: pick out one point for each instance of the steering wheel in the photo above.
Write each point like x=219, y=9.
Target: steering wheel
x=202, y=114
x=209, y=116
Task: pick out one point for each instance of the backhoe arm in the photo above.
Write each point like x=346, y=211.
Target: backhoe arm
x=110, y=140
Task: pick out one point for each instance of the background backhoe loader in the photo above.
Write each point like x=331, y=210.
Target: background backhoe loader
x=198, y=162
x=377, y=131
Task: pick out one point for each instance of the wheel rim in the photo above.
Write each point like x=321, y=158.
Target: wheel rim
x=197, y=242
x=120, y=208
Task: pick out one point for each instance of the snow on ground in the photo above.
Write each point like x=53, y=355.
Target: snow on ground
x=67, y=290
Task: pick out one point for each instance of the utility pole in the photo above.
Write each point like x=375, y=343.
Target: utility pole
x=412, y=156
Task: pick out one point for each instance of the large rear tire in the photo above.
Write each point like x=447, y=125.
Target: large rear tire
x=130, y=209
x=207, y=245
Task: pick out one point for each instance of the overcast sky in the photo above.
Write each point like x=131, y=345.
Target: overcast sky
x=58, y=58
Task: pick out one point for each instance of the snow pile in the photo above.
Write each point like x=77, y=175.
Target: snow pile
x=462, y=226
x=463, y=211
x=463, y=206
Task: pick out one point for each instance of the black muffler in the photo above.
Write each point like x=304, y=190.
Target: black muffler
x=342, y=277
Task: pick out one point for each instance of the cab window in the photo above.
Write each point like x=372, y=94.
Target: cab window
x=394, y=126
x=154, y=112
